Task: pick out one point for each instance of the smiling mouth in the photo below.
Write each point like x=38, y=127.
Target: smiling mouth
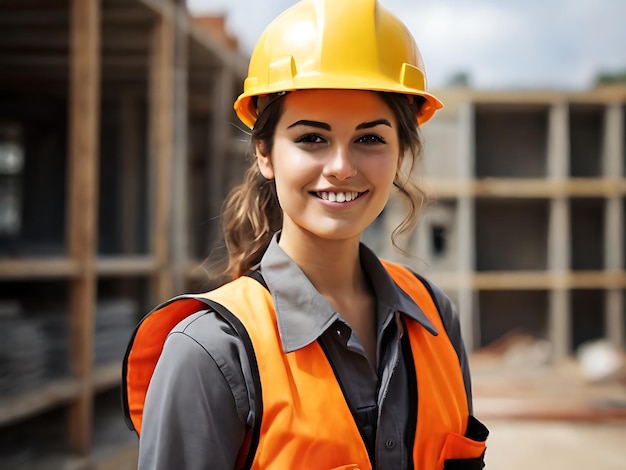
x=340, y=196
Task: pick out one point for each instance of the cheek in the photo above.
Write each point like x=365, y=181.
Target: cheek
x=292, y=164
x=384, y=168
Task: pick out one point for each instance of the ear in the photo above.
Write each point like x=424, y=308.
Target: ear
x=264, y=161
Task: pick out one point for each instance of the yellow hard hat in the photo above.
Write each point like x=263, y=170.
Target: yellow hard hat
x=335, y=44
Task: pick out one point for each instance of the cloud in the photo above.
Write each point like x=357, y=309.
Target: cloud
x=460, y=37
x=512, y=44
x=500, y=43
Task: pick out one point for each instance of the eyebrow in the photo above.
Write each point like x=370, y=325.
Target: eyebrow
x=378, y=122
x=323, y=125
x=304, y=122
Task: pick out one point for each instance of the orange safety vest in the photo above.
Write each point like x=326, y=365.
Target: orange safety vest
x=305, y=417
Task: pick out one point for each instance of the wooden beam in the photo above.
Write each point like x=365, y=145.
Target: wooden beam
x=83, y=206
x=50, y=395
x=36, y=268
x=219, y=136
x=126, y=265
x=179, y=228
x=161, y=147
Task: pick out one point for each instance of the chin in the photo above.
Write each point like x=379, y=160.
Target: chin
x=337, y=233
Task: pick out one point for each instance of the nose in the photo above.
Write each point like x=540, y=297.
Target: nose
x=340, y=164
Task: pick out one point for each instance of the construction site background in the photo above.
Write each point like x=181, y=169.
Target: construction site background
x=118, y=144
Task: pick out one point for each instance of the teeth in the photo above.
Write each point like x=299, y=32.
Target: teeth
x=338, y=197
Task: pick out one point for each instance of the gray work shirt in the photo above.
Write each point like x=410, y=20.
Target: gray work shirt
x=200, y=401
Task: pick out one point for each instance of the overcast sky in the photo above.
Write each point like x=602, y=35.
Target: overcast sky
x=500, y=43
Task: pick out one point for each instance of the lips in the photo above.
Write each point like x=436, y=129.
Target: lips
x=331, y=196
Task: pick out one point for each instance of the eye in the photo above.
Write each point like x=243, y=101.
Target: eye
x=370, y=139
x=310, y=139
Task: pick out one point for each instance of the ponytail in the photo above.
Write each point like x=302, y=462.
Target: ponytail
x=252, y=214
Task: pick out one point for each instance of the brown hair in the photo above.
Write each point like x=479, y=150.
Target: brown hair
x=252, y=214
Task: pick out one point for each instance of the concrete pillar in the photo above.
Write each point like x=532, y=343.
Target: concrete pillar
x=614, y=233
x=469, y=313
x=559, y=321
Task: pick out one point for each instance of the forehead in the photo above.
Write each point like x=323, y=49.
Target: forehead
x=335, y=105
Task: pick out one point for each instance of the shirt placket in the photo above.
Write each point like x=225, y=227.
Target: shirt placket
x=389, y=446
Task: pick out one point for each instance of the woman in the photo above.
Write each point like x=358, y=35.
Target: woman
x=318, y=354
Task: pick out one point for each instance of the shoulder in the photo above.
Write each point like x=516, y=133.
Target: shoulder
x=205, y=326
x=213, y=335
x=205, y=338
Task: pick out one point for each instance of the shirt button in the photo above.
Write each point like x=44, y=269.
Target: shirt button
x=390, y=443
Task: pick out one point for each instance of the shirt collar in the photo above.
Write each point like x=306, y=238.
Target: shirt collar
x=303, y=314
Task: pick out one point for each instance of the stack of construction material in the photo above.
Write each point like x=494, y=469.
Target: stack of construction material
x=22, y=351
x=54, y=323
x=115, y=322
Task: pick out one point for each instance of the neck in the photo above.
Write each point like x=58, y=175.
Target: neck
x=332, y=266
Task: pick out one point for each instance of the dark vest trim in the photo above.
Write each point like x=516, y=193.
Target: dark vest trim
x=407, y=353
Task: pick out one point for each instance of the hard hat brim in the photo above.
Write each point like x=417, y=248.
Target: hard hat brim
x=246, y=109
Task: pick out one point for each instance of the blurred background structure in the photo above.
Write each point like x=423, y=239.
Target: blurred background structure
x=118, y=144
x=116, y=150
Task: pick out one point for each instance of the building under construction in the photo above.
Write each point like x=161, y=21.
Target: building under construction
x=525, y=227
x=117, y=148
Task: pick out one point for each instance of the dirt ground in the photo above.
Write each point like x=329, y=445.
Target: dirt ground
x=548, y=416
x=555, y=445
